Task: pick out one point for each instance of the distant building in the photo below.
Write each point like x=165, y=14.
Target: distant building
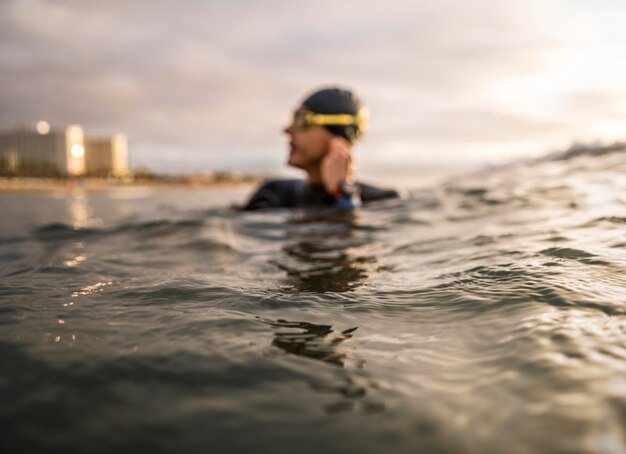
x=43, y=151
x=106, y=155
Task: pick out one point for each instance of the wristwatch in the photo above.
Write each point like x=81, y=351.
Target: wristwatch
x=347, y=196
x=345, y=190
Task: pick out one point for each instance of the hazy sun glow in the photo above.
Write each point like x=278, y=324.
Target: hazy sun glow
x=43, y=127
x=78, y=151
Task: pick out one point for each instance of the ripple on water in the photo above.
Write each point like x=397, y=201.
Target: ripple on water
x=483, y=316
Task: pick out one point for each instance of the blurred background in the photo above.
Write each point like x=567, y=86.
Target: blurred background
x=209, y=85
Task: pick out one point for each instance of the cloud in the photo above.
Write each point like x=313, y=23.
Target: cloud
x=597, y=103
x=475, y=127
x=220, y=77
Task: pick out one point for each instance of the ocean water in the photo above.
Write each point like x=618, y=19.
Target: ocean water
x=484, y=315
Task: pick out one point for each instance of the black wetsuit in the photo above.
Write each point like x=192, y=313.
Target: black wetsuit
x=302, y=194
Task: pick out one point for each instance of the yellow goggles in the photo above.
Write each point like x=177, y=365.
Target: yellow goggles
x=304, y=119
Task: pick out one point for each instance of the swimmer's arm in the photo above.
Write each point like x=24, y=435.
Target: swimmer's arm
x=337, y=171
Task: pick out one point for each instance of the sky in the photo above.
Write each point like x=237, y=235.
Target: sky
x=209, y=85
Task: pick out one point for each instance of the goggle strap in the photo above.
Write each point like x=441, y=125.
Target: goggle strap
x=336, y=119
x=359, y=120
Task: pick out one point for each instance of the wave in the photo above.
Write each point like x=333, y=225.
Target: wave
x=495, y=300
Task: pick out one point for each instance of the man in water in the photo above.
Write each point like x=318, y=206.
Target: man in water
x=321, y=135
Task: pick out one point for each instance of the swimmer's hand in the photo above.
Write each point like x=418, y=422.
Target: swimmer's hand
x=338, y=165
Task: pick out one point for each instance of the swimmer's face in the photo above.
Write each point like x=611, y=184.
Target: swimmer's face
x=307, y=146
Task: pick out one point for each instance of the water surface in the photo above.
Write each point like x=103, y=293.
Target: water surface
x=487, y=315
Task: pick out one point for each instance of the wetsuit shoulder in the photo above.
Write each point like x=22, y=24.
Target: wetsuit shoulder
x=276, y=194
x=296, y=193
x=371, y=193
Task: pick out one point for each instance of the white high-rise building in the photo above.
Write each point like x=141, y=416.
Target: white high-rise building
x=106, y=155
x=44, y=151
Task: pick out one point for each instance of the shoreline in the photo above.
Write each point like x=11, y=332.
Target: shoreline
x=32, y=184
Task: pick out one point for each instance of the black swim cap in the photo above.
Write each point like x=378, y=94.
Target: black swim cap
x=335, y=100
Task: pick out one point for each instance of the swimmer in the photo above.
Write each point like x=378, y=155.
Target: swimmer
x=321, y=135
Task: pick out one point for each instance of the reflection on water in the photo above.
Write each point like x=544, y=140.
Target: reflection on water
x=320, y=342
x=313, y=341
x=329, y=257
x=79, y=210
